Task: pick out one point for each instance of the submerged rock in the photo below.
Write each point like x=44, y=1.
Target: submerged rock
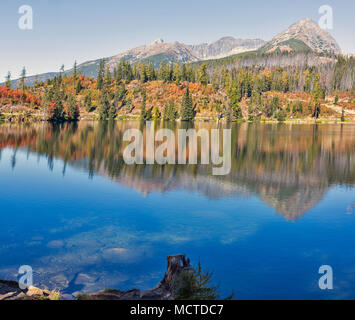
x=10, y=290
x=163, y=291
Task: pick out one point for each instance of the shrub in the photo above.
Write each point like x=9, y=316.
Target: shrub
x=195, y=284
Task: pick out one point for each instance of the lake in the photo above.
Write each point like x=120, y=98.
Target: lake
x=84, y=220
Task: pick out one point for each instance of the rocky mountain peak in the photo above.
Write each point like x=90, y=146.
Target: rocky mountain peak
x=308, y=32
x=157, y=41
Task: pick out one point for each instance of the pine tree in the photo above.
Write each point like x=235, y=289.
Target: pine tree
x=143, y=108
x=237, y=113
x=148, y=115
x=112, y=112
x=88, y=103
x=343, y=115
x=73, y=112
x=172, y=112
x=156, y=113
x=120, y=95
x=317, y=94
x=143, y=72
x=54, y=105
x=108, y=78
x=234, y=95
x=164, y=72
x=195, y=284
x=177, y=75
x=151, y=72
x=78, y=87
x=8, y=80
x=187, y=111
x=228, y=114
x=100, y=76
x=75, y=74
x=165, y=112
x=104, y=105
x=202, y=74
x=22, y=79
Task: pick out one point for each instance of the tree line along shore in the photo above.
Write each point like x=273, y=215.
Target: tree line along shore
x=183, y=92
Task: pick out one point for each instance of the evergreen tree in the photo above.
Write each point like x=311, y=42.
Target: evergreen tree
x=120, y=94
x=228, y=114
x=151, y=72
x=177, y=75
x=143, y=108
x=234, y=94
x=53, y=106
x=195, y=284
x=88, y=103
x=187, y=111
x=343, y=115
x=73, y=112
x=143, y=72
x=164, y=72
x=237, y=112
x=172, y=112
x=78, y=87
x=8, y=80
x=108, y=79
x=148, y=115
x=202, y=74
x=156, y=113
x=75, y=72
x=104, y=105
x=274, y=107
x=165, y=112
x=112, y=112
x=100, y=76
x=317, y=94
x=22, y=79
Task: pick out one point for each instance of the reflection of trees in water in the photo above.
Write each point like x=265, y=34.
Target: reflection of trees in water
x=288, y=166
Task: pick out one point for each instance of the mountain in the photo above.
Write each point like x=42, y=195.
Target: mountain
x=306, y=35
x=225, y=47
x=157, y=52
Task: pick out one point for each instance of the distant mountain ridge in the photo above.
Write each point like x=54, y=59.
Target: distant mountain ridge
x=225, y=47
x=305, y=35
x=157, y=51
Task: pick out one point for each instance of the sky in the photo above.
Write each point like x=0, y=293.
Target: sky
x=66, y=30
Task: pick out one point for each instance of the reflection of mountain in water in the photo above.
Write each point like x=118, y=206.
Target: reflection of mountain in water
x=290, y=167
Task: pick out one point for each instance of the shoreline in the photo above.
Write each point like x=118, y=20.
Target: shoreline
x=35, y=118
x=164, y=290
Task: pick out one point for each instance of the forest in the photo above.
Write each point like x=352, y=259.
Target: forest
x=252, y=87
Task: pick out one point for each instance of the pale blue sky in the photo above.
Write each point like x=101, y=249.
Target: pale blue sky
x=66, y=30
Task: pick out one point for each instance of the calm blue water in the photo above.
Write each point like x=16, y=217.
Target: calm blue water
x=264, y=230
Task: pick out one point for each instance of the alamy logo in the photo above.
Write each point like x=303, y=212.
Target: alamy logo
x=326, y=281
x=326, y=20
x=26, y=280
x=166, y=152
x=26, y=20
